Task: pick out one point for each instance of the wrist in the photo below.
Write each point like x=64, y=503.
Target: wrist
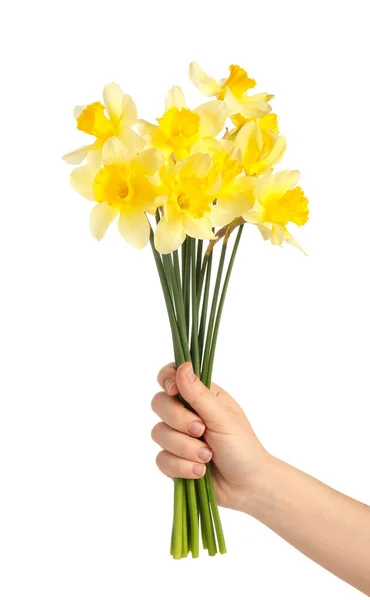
x=261, y=498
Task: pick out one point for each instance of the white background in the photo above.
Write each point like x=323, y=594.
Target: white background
x=84, y=513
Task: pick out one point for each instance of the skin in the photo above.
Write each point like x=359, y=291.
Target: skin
x=325, y=525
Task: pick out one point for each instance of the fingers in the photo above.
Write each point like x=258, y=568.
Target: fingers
x=208, y=405
x=173, y=466
x=167, y=379
x=181, y=445
x=174, y=414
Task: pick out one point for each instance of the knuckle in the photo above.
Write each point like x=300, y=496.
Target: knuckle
x=156, y=401
x=155, y=432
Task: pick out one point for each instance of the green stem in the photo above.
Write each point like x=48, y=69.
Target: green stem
x=173, y=271
x=203, y=319
x=205, y=367
x=186, y=285
x=215, y=513
x=185, y=539
x=194, y=311
x=222, y=301
x=178, y=516
x=199, y=260
x=194, y=520
x=206, y=521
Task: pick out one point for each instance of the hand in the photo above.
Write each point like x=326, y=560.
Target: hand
x=238, y=458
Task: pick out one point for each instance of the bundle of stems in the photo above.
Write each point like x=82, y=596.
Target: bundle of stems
x=195, y=326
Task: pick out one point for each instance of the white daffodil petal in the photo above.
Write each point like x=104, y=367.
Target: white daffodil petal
x=265, y=231
x=206, y=85
x=78, y=110
x=101, y=216
x=197, y=165
x=200, y=229
x=129, y=113
x=212, y=115
x=82, y=180
x=114, y=152
x=175, y=98
x=254, y=107
x=113, y=98
x=77, y=156
x=148, y=162
x=134, y=228
x=169, y=235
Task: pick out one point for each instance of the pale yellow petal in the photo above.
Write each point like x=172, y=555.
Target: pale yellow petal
x=206, y=85
x=212, y=115
x=277, y=235
x=134, y=228
x=207, y=144
x=238, y=196
x=169, y=235
x=233, y=105
x=273, y=158
x=256, y=106
x=77, y=156
x=221, y=215
x=275, y=185
x=200, y=229
x=132, y=141
x=78, y=110
x=175, y=98
x=94, y=158
x=82, y=180
x=113, y=98
x=115, y=152
x=129, y=113
x=256, y=214
x=148, y=162
x=290, y=240
x=101, y=216
x=197, y=164
x=249, y=140
x=265, y=230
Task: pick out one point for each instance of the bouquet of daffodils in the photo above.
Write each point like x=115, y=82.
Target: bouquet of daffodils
x=188, y=183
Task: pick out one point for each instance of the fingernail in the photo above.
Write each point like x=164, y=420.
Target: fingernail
x=205, y=454
x=168, y=383
x=199, y=469
x=196, y=428
x=189, y=374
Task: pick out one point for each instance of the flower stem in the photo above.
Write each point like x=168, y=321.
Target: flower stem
x=194, y=311
x=199, y=260
x=203, y=319
x=194, y=520
x=178, y=517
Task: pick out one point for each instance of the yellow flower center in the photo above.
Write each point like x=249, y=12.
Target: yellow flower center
x=181, y=127
x=238, y=82
x=290, y=208
x=226, y=166
x=112, y=185
x=92, y=120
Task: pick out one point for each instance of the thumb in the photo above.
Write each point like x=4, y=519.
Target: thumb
x=206, y=404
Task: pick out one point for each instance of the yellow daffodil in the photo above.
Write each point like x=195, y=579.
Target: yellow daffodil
x=235, y=193
x=93, y=120
x=261, y=145
x=233, y=90
x=121, y=187
x=279, y=201
x=190, y=187
x=180, y=128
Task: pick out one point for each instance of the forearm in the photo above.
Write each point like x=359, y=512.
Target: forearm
x=325, y=525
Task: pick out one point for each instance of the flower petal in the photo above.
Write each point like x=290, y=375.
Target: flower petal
x=77, y=156
x=113, y=98
x=169, y=235
x=276, y=185
x=132, y=141
x=129, y=113
x=134, y=228
x=94, y=158
x=249, y=139
x=221, y=215
x=213, y=115
x=206, y=85
x=277, y=235
x=197, y=165
x=175, y=97
x=78, y=110
x=200, y=229
x=238, y=196
x=148, y=162
x=234, y=107
x=256, y=214
x=101, y=217
x=115, y=152
x=82, y=180
x=274, y=156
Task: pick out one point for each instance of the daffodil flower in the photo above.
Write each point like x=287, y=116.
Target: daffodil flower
x=190, y=191
x=93, y=120
x=279, y=201
x=121, y=187
x=180, y=128
x=261, y=145
x=233, y=90
x=235, y=193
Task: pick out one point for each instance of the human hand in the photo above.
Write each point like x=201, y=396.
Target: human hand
x=238, y=458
